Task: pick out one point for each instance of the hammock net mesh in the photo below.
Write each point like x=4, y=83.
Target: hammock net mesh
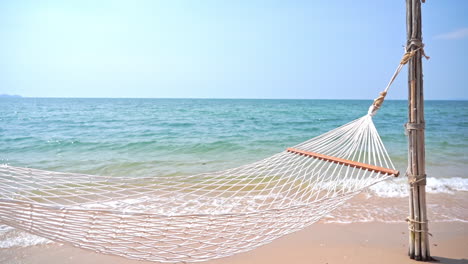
x=200, y=217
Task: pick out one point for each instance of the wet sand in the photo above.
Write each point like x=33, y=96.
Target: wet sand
x=319, y=243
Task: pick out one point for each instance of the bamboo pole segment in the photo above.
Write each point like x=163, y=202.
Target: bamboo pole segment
x=418, y=236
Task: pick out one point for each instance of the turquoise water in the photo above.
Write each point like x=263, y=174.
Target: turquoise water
x=142, y=137
x=145, y=137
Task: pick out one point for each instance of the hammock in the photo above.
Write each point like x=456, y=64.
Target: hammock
x=205, y=216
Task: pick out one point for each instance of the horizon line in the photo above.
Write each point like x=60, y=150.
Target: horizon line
x=214, y=98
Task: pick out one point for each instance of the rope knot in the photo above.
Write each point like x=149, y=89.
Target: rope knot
x=412, y=225
x=415, y=180
x=410, y=53
x=379, y=100
x=407, y=56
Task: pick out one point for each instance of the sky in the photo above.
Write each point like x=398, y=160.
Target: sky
x=226, y=49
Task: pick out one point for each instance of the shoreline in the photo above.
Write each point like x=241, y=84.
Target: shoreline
x=372, y=242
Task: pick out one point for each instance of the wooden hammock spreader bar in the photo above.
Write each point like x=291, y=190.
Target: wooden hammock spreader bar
x=350, y=163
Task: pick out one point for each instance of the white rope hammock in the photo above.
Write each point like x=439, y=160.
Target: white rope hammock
x=200, y=217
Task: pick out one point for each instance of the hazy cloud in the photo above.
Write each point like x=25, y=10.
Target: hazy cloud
x=457, y=34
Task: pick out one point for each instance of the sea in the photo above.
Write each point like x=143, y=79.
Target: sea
x=164, y=137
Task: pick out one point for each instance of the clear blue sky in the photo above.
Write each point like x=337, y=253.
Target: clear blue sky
x=225, y=49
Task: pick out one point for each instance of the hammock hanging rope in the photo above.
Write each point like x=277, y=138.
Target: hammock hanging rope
x=205, y=216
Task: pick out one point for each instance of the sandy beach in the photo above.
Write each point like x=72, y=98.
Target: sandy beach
x=319, y=243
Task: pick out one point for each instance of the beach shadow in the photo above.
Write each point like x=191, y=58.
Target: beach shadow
x=449, y=260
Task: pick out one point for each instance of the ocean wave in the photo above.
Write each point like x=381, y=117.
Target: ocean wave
x=11, y=237
x=399, y=187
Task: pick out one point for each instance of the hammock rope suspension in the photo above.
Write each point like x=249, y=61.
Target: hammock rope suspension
x=404, y=60
x=205, y=216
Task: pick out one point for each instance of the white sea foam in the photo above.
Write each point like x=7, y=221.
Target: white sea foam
x=399, y=187
x=11, y=237
x=186, y=204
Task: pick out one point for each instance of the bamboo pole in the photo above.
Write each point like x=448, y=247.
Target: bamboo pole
x=418, y=236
